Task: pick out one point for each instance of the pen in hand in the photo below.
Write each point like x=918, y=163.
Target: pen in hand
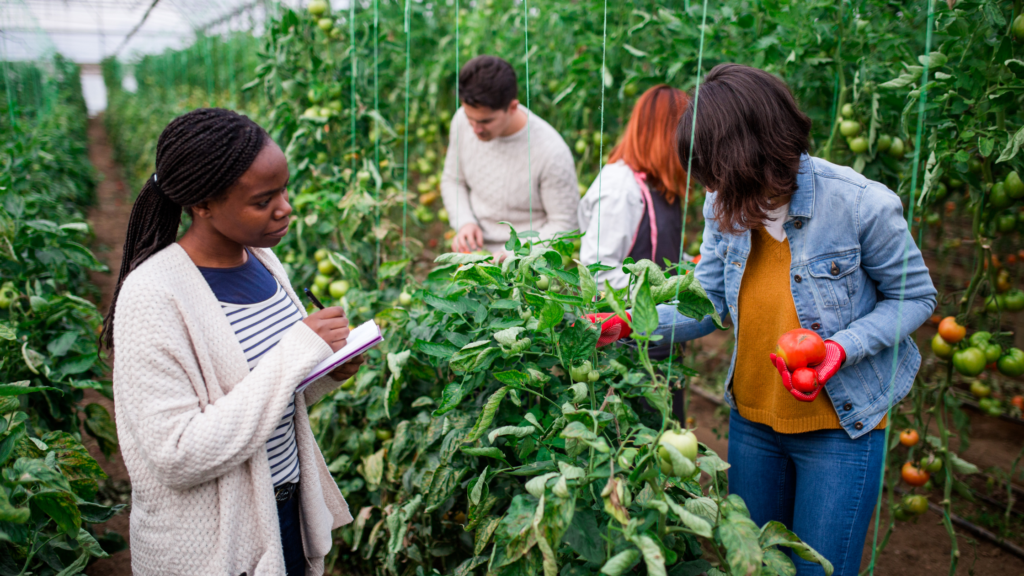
x=316, y=302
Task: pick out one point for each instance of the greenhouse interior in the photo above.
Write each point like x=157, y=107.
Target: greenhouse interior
x=454, y=287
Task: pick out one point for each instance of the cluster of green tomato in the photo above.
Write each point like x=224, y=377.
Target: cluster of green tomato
x=319, y=9
x=851, y=129
x=976, y=352
x=1003, y=195
x=323, y=283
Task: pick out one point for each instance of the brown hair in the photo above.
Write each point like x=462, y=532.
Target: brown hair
x=747, y=145
x=488, y=81
x=649, y=143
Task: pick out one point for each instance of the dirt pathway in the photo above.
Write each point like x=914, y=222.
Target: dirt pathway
x=109, y=218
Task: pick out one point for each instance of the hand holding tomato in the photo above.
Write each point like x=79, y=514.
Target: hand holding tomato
x=806, y=363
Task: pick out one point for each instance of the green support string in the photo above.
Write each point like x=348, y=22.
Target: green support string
x=600, y=148
x=377, y=128
x=529, y=113
x=352, y=71
x=689, y=166
x=903, y=278
x=457, y=70
x=405, y=133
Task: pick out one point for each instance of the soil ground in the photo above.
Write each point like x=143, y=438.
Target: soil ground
x=920, y=547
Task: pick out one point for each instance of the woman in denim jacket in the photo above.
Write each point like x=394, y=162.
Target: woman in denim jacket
x=792, y=241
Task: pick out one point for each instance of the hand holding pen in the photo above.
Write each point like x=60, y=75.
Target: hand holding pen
x=329, y=323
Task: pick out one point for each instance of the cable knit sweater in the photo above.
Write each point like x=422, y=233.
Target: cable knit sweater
x=193, y=423
x=490, y=182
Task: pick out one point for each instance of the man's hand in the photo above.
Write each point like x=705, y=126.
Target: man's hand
x=500, y=256
x=331, y=325
x=469, y=238
x=348, y=369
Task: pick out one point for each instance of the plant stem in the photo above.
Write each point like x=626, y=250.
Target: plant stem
x=947, y=489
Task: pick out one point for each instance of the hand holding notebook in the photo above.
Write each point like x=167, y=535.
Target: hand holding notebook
x=360, y=339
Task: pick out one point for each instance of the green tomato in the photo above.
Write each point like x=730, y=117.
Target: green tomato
x=1013, y=186
x=325, y=266
x=339, y=288
x=896, y=149
x=933, y=218
x=442, y=215
x=685, y=442
x=325, y=24
x=939, y=192
x=848, y=110
x=581, y=146
x=318, y=7
x=1006, y=223
x=849, y=128
x=383, y=434
x=1011, y=363
x=980, y=390
x=1014, y=299
x=594, y=376
x=979, y=338
x=970, y=361
x=858, y=145
x=883, y=143
x=998, y=197
x=630, y=90
x=915, y=504
x=1018, y=27
x=932, y=465
x=974, y=165
x=580, y=373
x=941, y=348
x=320, y=254
x=405, y=299
x=693, y=249
x=543, y=282
x=992, y=352
x=994, y=304
x=321, y=281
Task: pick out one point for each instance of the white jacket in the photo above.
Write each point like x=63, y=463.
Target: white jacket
x=621, y=211
x=193, y=423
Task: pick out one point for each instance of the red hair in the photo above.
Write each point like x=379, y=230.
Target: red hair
x=649, y=143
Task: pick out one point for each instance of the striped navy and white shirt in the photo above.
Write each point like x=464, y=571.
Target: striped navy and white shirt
x=260, y=312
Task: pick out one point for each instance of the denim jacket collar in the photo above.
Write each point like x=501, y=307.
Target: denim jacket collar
x=802, y=202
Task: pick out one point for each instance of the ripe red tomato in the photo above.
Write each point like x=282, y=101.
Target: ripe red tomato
x=950, y=331
x=913, y=475
x=800, y=348
x=1018, y=401
x=805, y=380
x=909, y=437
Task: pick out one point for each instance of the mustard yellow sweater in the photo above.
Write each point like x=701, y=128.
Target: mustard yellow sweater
x=767, y=311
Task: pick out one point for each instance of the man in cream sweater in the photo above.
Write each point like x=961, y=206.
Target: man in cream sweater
x=503, y=164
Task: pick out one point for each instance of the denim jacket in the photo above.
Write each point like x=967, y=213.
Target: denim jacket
x=850, y=247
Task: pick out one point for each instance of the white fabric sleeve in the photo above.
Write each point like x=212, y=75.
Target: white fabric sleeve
x=454, y=192
x=619, y=216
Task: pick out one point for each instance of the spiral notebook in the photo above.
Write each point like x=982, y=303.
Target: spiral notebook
x=360, y=339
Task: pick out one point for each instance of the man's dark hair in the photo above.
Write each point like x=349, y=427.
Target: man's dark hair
x=199, y=156
x=488, y=81
x=748, y=142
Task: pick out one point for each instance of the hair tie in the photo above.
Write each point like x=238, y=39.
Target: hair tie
x=156, y=186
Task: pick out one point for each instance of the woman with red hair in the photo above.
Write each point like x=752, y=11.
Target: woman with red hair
x=631, y=208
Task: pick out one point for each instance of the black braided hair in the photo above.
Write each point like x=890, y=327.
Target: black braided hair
x=199, y=156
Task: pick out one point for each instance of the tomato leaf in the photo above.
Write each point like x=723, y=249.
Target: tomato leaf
x=578, y=340
x=450, y=398
x=487, y=415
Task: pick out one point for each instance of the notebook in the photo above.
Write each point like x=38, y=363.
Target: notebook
x=360, y=339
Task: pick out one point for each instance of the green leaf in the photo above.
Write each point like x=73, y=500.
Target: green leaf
x=739, y=536
x=634, y=51
x=550, y=315
x=508, y=336
x=578, y=340
x=487, y=415
x=452, y=304
x=621, y=562
x=513, y=378
x=398, y=524
x=7, y=332
x=985, y=146
x=517, y=431
x=584, y=536
x=77, y=566
x=391, y=269
x=443, y=484
x=645, y=313
x=23, y=387
x=460, y=259
x=88, y=543
x=1012, y=146
x=588, y=286
x=97, y=513
x=440, y=350
x=933, y=60
x=961, y=466
x=653, y=557
x=101, y=426
x=450, y=398
x=470, y=564
x=776, y=562
x=484, y=532
x=774, y=533
x=578, y=431
x=59, y=505
x=63, y=343
x=489, y=452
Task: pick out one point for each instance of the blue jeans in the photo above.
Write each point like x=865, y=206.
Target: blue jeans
x=291, y=536
x=822, y=485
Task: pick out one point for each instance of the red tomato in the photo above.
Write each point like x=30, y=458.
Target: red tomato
x=1018, y=401
x=950, y=331
x=801, y=348
x=909, y=437
x=805, y=380
x=913, y=475
x=696, y=259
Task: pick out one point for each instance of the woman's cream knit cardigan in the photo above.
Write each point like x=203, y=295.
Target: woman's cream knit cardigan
x=193, y=423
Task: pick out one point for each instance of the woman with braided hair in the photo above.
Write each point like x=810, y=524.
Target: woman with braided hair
x=211, y=345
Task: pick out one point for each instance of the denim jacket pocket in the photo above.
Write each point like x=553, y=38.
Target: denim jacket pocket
x=832, y=277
